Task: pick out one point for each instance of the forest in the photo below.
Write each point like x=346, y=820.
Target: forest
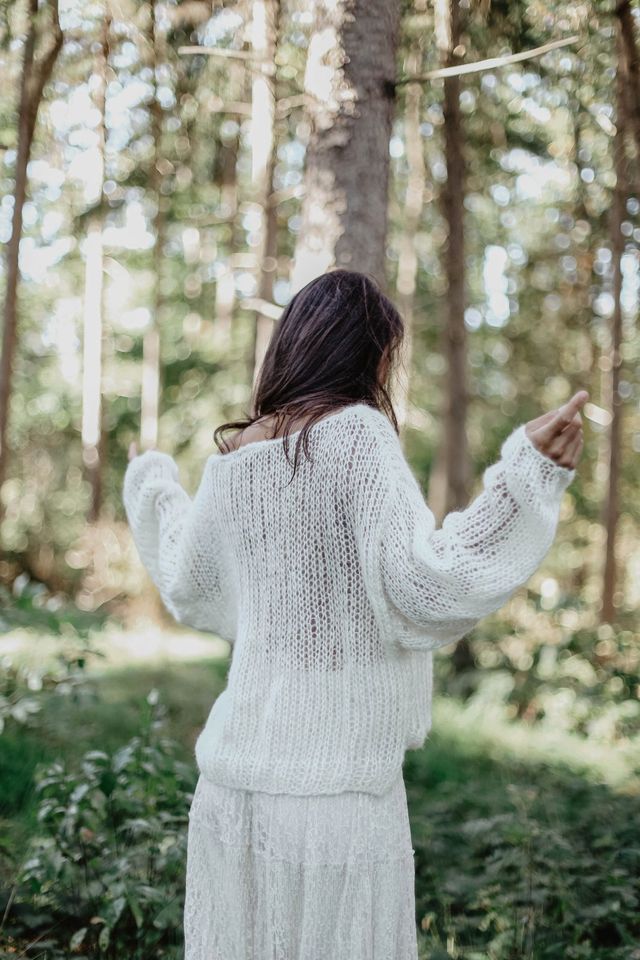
x=171, y=173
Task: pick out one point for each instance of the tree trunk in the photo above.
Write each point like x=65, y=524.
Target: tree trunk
x=264, y=35
x=350, y=78
x=618, y=206
x=35, y=74
x=413, y=203
x=150, y=400
x=451, y=475
x=628, y=55
x=226, y=175
x=92, y=433
x=450, y=479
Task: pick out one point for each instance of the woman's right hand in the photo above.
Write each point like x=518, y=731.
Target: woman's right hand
x=558, y=433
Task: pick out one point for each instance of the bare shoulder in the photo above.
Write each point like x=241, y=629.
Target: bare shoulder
x=260, y=430
x=263, y=429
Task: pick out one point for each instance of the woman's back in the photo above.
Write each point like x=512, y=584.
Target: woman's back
x=332, y=584
x=309, y=660
x=334, y=588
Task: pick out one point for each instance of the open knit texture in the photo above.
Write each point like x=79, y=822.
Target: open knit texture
x=333, y=589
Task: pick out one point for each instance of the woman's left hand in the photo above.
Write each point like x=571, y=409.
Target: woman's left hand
x=558, y=433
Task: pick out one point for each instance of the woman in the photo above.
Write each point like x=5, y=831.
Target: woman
x=326, y=574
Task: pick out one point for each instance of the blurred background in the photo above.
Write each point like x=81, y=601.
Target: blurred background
x=170, y=174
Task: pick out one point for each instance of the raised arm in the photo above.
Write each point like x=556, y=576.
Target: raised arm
x=431, y=586
x=176, y=541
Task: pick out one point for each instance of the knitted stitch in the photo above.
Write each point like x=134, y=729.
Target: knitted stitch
x=334, y=590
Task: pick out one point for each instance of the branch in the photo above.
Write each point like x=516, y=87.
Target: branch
x=283, y=106
x=224, y=52
x=488, y=64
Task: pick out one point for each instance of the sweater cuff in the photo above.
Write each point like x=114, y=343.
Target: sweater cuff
x=549, y=477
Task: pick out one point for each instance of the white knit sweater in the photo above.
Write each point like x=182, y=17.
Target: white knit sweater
x=333, y=589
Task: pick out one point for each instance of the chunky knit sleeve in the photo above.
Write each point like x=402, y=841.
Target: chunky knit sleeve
x=432, y=586
x=176, y=540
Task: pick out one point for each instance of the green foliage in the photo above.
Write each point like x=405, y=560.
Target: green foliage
x=25, y=685
x=104, y=872
x=584, y=681
x=32, y=605
x=515, y=860
x=526, y=842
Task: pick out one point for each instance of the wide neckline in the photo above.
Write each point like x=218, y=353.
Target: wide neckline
x=256, y=445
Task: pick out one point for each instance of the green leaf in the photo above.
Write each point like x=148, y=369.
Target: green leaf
x=103, y=939
x=135, y=910
x=77, y=938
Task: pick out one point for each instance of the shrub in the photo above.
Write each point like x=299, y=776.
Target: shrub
x=104, y=873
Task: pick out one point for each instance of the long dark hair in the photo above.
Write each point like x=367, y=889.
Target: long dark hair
x=324, y=354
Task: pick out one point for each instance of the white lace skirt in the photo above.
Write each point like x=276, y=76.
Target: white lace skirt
x=283, y=877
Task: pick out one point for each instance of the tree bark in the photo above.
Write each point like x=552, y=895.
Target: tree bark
x=407, y=276
x=35, y=74
x=350, y=78
x=614, y=401
x=150, y=400
x=628, y=56
x=264, y=35
x=226, y=176
x=450, y=480
x=451, y=476
x=93, y=441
